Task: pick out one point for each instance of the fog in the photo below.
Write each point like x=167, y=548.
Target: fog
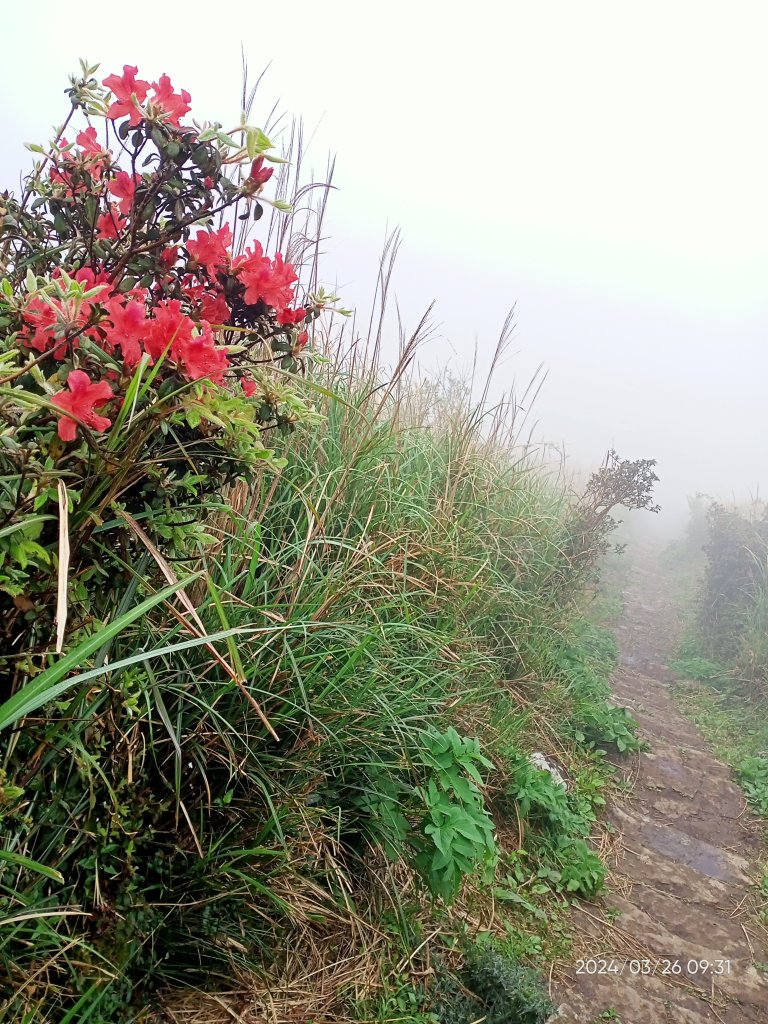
x=600, y=166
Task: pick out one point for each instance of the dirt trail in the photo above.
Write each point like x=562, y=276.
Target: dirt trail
x=684, y=856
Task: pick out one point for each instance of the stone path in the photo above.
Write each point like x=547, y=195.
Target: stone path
x=685, y=853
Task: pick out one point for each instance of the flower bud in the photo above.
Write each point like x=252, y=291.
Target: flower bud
x=259, y=173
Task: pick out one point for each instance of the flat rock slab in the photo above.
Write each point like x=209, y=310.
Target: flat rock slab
x=680, y=946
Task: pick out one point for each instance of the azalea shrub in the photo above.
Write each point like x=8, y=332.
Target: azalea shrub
x=150, y=349
x=144, y=359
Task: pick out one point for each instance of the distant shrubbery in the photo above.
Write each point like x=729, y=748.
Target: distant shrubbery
x=726, y=646
x=732, y=615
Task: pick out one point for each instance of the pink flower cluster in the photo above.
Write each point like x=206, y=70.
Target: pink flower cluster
x=91, y=157
x=119, y=321
x=144, y=321
x=133, y=323
x=131, y=98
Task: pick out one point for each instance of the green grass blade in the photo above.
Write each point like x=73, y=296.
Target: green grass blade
x=32, y=865
x=48, y=684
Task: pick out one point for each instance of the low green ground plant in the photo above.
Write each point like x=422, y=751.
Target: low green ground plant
x=491, y=985
x=558, y=823
x=752, y=773
x=587, y=667
x=693, y=666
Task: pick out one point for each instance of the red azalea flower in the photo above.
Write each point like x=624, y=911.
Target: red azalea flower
x=39, y=320
x=208, y=304
x=259, y=173
x=92, y=154
x=129, y=91
x=81, y=400
x=46, y=323
x=291, y=316
x=63, y=178
x=129, y=325
x=214, y=308
x=89, y=143
x=264, y=279
x=123, y=187
x=250, y=387
x=175, y=105
x=91, y=278
x=169, y=326
x=211, y=249
x=301, y=341
x=42, y=319
x=201, y=358
x=168, y=257
x=112, y=223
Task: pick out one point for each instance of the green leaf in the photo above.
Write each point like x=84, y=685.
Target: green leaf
x=19, y=860
x=441, y=840
x=23, y=525
x=470, y=831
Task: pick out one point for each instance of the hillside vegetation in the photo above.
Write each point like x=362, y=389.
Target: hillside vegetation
x=280, y=632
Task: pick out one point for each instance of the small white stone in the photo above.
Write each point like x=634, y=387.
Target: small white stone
x=539, y=761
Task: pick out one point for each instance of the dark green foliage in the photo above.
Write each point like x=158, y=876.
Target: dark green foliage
x=558, y=820
x=558, y=823
x=494, y=988
x=434, y=816
x=607, y=726
x=540, y=799
x=580, y=869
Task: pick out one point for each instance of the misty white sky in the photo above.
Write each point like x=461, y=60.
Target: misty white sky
x=603, y=165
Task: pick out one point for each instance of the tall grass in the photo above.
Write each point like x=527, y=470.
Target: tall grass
x=188, y=801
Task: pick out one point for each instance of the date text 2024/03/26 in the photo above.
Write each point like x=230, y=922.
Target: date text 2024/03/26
x=660, y=966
